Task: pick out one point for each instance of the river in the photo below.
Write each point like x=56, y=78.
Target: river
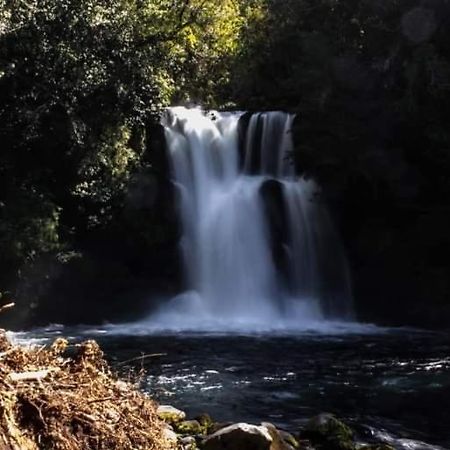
x=392, y=384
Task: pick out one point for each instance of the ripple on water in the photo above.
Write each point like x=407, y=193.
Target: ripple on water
x=395, y=382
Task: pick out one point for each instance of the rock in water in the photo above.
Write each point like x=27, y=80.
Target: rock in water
x=239, y=436
x=329, y=433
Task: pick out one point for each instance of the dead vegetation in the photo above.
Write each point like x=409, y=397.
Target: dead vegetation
x=48, y=401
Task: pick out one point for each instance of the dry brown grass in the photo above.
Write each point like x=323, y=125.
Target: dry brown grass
x=51, y=402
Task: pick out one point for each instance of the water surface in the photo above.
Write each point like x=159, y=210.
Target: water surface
x=393, y=384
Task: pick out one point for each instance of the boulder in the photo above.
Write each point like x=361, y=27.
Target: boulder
x=188, y=443
x=289, y=439
x=170, y=436
x=190, y=427
x=206, y=422
x=170, y=414
x=216, y=426
x=280, y=441
x=328, y=433
x=239, y=436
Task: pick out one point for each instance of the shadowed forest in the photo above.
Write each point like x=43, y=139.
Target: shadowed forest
x=88, y=226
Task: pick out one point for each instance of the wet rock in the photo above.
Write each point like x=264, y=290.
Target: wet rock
x=216, y=426
x=206, y=422
x=239, y=436
x=191, y=427
x=170, y=414
x=275, y=211
x=278, y=442
x=188, y=443
x=327, y=432
x=289, y=439
x=376, y=447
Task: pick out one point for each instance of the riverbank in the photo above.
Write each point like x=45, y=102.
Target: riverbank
x=63, y=398
x=66, y=397
x=322, y=432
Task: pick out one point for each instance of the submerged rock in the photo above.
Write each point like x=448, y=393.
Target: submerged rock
x=239, y=436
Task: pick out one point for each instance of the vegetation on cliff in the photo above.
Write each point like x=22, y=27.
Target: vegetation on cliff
x=84, y=198
x=370, y=84
x=81, y=82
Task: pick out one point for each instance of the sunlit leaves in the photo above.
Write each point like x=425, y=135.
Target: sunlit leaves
x=79, y=81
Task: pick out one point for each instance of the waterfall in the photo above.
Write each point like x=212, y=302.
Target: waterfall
x=258, y=247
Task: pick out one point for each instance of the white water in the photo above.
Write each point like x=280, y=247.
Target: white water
x=232, y=277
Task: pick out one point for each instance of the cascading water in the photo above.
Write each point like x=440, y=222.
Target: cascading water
x=258, y=249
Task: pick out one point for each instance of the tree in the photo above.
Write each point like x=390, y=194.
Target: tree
x=80, y=81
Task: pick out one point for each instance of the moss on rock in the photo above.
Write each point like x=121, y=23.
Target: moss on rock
x=189, y=427
x=170, y=415
x=327, y=432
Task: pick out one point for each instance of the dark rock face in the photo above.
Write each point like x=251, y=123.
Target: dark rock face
x=242, y=136
x=121, y=271
x=401, y=270
x=254, y=157
x=274, y=207
x=392, y=211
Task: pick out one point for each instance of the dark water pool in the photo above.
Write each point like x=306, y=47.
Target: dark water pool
x=393, y=384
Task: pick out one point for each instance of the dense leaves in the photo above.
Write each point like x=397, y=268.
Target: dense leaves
x=370, y=83
x=82, y=83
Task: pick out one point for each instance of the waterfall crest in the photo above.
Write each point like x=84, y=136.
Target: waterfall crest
x=258, y=248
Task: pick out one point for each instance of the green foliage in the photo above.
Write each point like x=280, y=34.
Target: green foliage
x=70, y=76
x=23, y=236
x=370, y=82
x=209, y=34
x=79, y=82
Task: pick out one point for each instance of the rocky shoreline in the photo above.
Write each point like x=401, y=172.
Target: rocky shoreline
x=322, y=432
x=62, y=397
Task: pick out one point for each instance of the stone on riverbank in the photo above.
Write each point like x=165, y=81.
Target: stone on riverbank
x=170, y=414
x=206, y=422
x=239, y=436
x=191, y=427
x=327, y=432
x=281, y=441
